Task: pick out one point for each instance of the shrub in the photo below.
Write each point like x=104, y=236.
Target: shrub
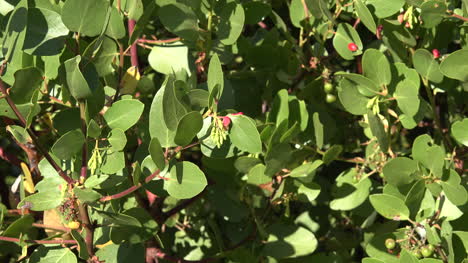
x=234, y=131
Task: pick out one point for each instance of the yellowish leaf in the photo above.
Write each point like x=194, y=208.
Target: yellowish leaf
x=130, y=80
x=27, y=179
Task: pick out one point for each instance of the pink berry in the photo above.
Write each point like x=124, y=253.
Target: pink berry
x=226, y=121
x=352, y=47
x=239, y=113
x=436, y=53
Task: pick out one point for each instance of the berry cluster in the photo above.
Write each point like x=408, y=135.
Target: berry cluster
x=69, y=209
x=417, y=251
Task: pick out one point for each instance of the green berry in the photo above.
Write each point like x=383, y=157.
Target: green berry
x=416, y=253
x=328, y=87
x=330, y=98
x=426, y=252
x=431, y=247
x=390, y=243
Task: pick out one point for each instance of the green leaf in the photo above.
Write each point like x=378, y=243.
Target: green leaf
x=366, y=86
x=407, y=97
x=280, y=108
x=157, y=154
x=231, y=23
x=86, y=195
x=19, y=227
x=42, y=201
x=54, y=254
x=407, y=257
x=277, y=157
x=77, y=83
x=332, y=154
x=454, y=65
x=318, y=130
x=365, y=15
x=93, y=129
x=398, y=171
x=454, y=190
x=87, y=17
x=190, y=124
x=353, y=101
x=135, y=234
x=256, y=175
x=344, y=35
x=113, y=162
x=117, y=139
x=244, y=134
x=459, y=131
x=15, y=31
x=124, y=252
x=427, y=66
x=245, y=163
x=348, y=195
x=298, y=113
x=389, y=206
x=376, y=67
x=157, y=127
x=27, y=81
x=432, y=13
x=173, y=109
x=68, y=144
x=415, y=196
x=124, y=114
x=308, y=192
x=289, y=241
x=82, y=248
x=255, y=12
x=185, y=180
x=384, y=8
x=215, y=78
x=420, y=146
x=45, y=33
x=297, y=13
x=306, y=169
x=180, y=19
x=319, y=9
x=115, y=29
x=378, y=130
x=19, y=133
x=169, y=59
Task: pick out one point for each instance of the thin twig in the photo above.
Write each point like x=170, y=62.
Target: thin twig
x=460, y=17
x=62, y=241
x=159, y=41
x=34, y=138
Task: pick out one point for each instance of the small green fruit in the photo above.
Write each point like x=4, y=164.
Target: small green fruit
x=390, y=243
x=330, y=98
x=328, y=87
x=431, y=247
x=416, y=253
x=426, y=252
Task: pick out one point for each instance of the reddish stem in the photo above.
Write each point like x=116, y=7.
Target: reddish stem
x=129, y=190
x=133, y=49
x=9, y=157
x=35, y=140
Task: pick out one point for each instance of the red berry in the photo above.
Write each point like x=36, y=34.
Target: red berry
x=436, y=53
x=352, y=47
x=239, y=113
x=226, y=121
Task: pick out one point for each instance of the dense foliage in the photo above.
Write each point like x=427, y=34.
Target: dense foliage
x=234, y=131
